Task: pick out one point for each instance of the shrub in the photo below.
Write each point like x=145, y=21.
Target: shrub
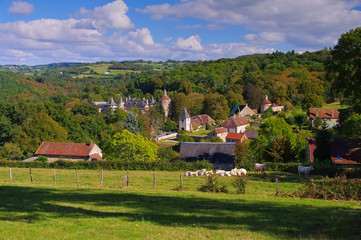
x=338, y=188
x=41, y=158
x=212, y=185
x=240, y=184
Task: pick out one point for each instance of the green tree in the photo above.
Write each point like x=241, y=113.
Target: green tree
x=317, y=123
x=351, y=127
x=179, y=102
x=126, y=146
x=281, y=150
x=344, y=67
x=323, y=144
x=216, y=106
x=131, y=123
x=84, y=108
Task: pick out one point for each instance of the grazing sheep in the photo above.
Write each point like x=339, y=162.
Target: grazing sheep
x=209, y=173
x=305, y=170
x=201, y=172
x=260, y=167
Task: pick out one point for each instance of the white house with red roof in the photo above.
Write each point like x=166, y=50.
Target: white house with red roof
x=235, y=137
x=327, y=115
x=235, y=124
x=266, y=104
x=55, y=151
x=220, y=132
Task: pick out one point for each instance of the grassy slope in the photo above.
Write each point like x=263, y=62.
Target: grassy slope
x=43, y=210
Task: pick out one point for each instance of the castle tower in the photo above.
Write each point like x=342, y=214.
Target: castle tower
x=185, y=121
x=164, y=101
x=265, y=104
x=121, y=103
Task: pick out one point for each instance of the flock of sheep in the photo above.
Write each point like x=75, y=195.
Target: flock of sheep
x=258, y=167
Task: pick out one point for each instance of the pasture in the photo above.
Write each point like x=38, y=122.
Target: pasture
x=62, y=210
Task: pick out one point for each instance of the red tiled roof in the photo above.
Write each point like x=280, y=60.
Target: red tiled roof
x=219, y=130
x=288, y=103
x=237, y=136
x=266, y=101
x=255, y=111
x=64, y=149
x=234, y=122
x=195, y=121
x=206, y=119
x=165, y=97
x=201, y=120
x=323, y=112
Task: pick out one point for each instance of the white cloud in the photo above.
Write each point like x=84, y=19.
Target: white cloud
x=313, y=23
x=21, y=8
x=110, y=16
x=192, y=43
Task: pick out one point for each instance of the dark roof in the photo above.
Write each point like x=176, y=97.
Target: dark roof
x=237, y=136
x=234, y=122
x=214, y=152
x=64, y=149
x=184, y=114
x=323, y=112
x=346, y=151
x=251, y=134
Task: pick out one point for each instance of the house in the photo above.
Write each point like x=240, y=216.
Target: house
x=343, y=151
x=235, y=124
x=55, y=151
x=220, y=132
x=235, y=137
x=242, y=111
x=328, y=115
x=200, y=121
x=346, y=151
x=221, y=155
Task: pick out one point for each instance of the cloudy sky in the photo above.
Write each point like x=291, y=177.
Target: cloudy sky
x=39, y=32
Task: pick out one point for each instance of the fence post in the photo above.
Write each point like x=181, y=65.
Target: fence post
x=54, y=176
x=124, y=181
x=77, y=178
x=31, y=176
x=154, y=180
x=101, y=178
x=277, y=189
x=10, y=175
x=127, y=179
x=181, y=181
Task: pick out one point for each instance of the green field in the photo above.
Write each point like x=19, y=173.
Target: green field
x=62, y=210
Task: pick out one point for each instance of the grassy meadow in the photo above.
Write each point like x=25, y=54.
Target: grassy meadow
x=62, y=210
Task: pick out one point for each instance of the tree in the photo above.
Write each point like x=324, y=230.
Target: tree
x=317, y=123
x=126, y=146
x=323, y=144
x=84, y=108
x=344, y=67
x=179, y=102
x=131, y=123
x=351, y=127
x=241, y=158
x=216, y=106
x=281, y=150
x=301, y=119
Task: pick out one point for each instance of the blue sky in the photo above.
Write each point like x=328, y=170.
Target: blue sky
x=38, y=32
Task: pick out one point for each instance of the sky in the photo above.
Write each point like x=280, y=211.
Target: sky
x=40, y=32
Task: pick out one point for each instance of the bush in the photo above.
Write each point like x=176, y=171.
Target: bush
x=41, y=158
x=212, y=185
x=177, y=165
x=338, y=188
x=240, y=184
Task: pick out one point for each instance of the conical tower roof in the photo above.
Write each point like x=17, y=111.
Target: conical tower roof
x=111, y=102
x=184, y=114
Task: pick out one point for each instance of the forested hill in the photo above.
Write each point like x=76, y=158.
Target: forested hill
x=299, y=78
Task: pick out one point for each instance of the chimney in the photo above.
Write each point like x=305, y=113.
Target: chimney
x=317, y=112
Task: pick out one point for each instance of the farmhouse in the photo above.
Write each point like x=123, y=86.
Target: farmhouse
x=242, y=111
x=327, y=115
x=235, y=137
x=69, y=151
x=343, y=151
x=220, y=132
x=235, y=124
